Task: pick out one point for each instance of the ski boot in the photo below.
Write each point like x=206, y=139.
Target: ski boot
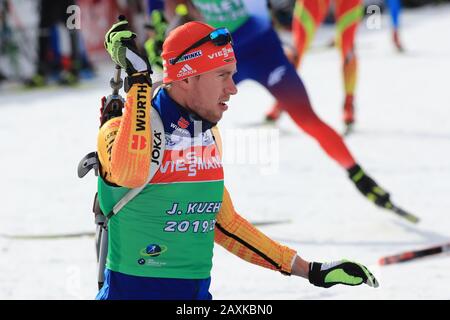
x=274, y=114
x=396, y=39
x=349, y=114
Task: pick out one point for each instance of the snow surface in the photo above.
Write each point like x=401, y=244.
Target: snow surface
x=402, y=139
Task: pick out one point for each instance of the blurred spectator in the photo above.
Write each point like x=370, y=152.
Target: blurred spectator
x=51, y=61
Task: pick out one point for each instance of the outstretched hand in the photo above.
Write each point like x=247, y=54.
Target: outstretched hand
x=340, y=272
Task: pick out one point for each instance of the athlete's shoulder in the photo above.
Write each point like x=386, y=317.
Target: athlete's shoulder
x=105, y=139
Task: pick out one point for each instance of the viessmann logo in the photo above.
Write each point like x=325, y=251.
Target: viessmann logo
x=222, y=53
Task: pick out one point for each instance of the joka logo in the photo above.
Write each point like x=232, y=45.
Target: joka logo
x=185, y=71
x=156, y=152
x=139, y=142
x=183, y=123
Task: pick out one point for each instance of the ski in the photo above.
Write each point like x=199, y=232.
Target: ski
x=269, y=223
x=261, y=124
x=47, y=236
x=402, y=213
x=20, y=88
x=92, y=234
x=414, y=254
x=268, y=125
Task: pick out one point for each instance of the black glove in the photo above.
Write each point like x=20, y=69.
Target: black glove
x=340, y=272
x=368, y=187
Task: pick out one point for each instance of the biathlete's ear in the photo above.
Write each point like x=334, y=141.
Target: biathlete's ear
x=185, y=84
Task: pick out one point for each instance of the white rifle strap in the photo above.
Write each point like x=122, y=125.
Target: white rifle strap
x=158, y=147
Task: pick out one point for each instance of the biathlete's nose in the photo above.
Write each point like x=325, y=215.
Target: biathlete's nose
x=231, y=88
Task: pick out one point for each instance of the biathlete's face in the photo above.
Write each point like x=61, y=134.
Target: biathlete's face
x=209, y=92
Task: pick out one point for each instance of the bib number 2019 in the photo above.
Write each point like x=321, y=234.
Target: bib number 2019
x=195, y=226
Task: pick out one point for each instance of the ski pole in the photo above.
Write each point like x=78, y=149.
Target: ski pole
x=116, y=82
x=402, y=213
x=102, y=252
x=112, y=105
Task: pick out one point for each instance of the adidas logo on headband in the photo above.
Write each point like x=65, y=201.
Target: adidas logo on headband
x=185, y=71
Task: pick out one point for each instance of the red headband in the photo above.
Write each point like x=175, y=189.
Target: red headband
x=202, y=59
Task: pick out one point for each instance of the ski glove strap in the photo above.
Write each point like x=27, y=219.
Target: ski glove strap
x=137, y=78
x=368, y=187
x=340, y=272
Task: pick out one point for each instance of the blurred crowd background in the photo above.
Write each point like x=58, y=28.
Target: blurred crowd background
x=44, y=41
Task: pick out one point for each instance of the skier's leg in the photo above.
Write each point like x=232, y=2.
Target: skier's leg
x=394, y=9
x=275, y=112
x=348, y=15
x=46, y=20
x=307, y=17
x=279, y=76
x=70, y=63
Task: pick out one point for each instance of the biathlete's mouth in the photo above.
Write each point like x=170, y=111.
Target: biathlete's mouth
x=223, y=105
